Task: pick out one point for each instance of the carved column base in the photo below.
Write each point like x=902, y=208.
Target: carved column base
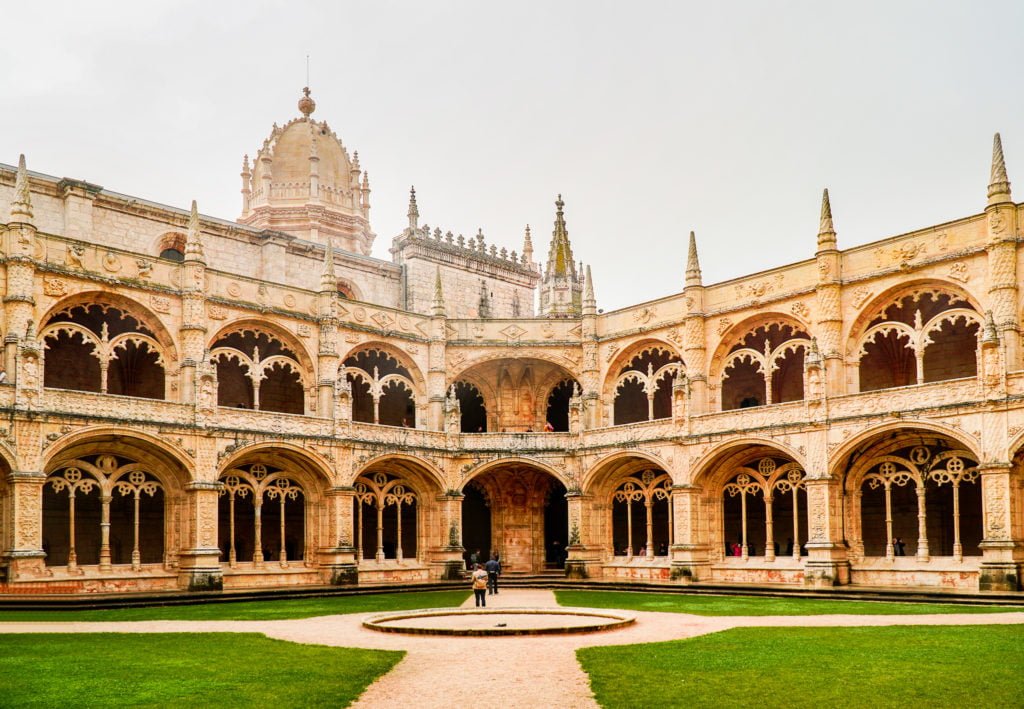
x=200, y=570
x=23, y=565
x=824, y=573
x=1000, y=576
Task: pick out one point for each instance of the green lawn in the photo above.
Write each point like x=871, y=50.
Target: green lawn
x=182, y=669
x=753, y=605
x=927, y=666
x=258, y=610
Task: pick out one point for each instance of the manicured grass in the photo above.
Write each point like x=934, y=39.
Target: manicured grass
x=257, y=610
x=753, y=605
x=899, y=666
x=182, y=669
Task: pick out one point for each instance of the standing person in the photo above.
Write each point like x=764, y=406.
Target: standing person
x=493, y=568
x=480, y=586
x=474, y=559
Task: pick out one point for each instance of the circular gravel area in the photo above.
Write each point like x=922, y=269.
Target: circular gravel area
x=480, y=622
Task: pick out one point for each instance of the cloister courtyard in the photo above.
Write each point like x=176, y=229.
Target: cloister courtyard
x=682, y=650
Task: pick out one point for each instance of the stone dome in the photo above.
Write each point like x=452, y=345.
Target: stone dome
x=304, y=164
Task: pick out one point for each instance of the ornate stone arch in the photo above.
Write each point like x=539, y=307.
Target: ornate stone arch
x=915, y=333
x=130, y=306
x=486, y=467
x=403, y=358
x=271, y=328
x=621, y=463
x=131, y=475
x=174, y=465
x=628, y=353
x=420, y=469
x=707, y=469
x=765, y=361
x=316, y=470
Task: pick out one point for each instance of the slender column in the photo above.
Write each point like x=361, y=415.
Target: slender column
x=380, y=531
x=671, y=517
x=359, y=530
x=629, y=529
x=284, y=553
x=257, y=551
x=255, y=395
x=136, y=555
x=958, y=550
x=769, y=531
x=104, y=366
x=743, y=504
x=922, y=526
x=650, y=406
x=648, y=505
x=72, y=554
x=398, y=546
x=888, y=523
x=232, y=555
x=796, y=524
x=104, y=532
x=919, y=359
x=376, y=409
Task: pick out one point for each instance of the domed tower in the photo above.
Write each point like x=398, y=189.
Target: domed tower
x=303, y=182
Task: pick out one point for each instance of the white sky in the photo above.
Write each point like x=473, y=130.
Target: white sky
x=651, y=118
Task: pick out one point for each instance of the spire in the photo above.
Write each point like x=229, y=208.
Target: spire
x=327, y=280
x=414, y=211
x=826, y=231
x=999, y=184
x=560, y=261
x=589, y=301
x=194, y=239
x=21, y=207
x=438, y=308
x=527, y=247
x=693, y=277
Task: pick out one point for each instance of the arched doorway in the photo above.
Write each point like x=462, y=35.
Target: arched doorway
x=525, y=518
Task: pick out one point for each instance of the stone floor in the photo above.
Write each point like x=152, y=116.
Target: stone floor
x=523, y=671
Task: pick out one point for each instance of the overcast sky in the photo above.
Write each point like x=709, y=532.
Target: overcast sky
x=651, y=118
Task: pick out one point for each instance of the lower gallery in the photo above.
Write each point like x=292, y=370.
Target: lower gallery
x=192, y=403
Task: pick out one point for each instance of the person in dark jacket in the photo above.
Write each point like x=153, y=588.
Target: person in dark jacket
x=493, y=567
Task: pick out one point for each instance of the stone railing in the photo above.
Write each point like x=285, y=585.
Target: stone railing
x=115, y=408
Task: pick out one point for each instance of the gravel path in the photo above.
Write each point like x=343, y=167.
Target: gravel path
x=519, y=671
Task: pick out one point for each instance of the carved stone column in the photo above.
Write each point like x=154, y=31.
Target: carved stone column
x=339, y=560
x=582, y=554
x=447, y=555
x=24, y=555
x=689, y=551
x=827, y=563
x=1003, y=546
x=200, y=560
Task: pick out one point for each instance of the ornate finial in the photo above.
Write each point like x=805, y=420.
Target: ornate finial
x=438, y=306
x=327, y=280
x=991, y=333
x=194, y=238
x=527, y=247
x=589, y=301
x=999, y=184
x=306, y=104
x=414, y=211
x=245, y=164
x=826, y=231
x=21, y=207
x=366, y=180
x=693, y=276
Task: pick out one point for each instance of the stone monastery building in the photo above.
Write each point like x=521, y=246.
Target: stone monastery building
x=195, y=403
